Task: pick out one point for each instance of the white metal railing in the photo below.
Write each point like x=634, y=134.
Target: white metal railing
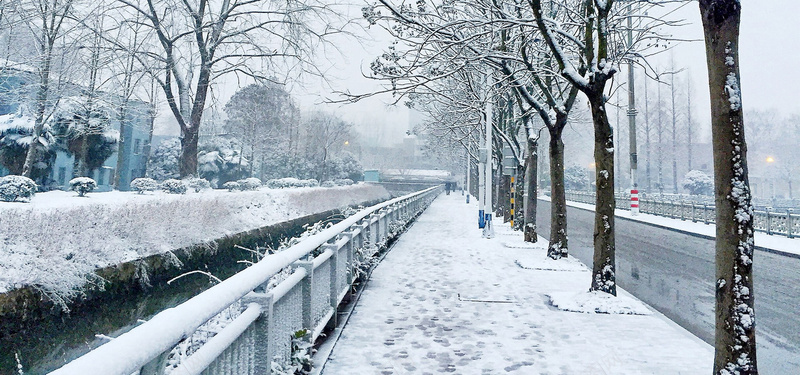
x=768, y=220
x=262, y=333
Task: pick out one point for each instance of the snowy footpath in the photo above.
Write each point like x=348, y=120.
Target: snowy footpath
x=445, y=300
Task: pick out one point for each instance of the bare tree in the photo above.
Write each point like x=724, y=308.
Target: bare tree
x=735, y=340
x=48, y=22
x=196, y=43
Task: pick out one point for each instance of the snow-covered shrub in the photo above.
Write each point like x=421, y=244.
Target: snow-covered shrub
x=163, y=163
x=698, y=183
x=197, y=184
x=173, y=186
x=219, y=159
x=144, y=184
x=327, y=184
x=343, y=182
x=301, y=356
x=14, y=188
x=291, y=182
x=251, y=183
x=576, y=178
x=231, y=185
x=82, y=185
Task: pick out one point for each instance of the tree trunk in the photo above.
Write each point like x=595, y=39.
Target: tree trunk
x=647, y=143
x=504, y=205
x=41, y=105
x=120, y=177
x=735, y=335
x=148, y=147
x=84, y=156
x=674, y=135
x=188, y=161
x=603, y=267
x=557, y=247
x=519, y=199
x=531, y=173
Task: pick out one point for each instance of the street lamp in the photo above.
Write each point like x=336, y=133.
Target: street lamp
x=771, y=160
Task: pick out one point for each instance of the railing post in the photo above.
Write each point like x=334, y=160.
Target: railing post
x=350, y=245
x=262, y=355
x=156, y=366
x=769, y=220
x=306, y=285
x=694, y=219
x=705, y=213
x=789, y=223
x=334, y=290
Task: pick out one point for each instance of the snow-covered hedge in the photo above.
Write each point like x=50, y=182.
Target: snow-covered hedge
x=13, y=188
x=82, y=185
x=144, y=184
x=337, y=182
x=231, y=186
x=251, y=183
x=174, y=186
x=291, y=182
x=343, y=182
x=50, y=244
x=197, y=184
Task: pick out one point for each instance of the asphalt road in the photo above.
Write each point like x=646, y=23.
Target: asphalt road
x=674, y=273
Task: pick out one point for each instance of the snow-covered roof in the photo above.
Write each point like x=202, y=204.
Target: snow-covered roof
x=15, y=121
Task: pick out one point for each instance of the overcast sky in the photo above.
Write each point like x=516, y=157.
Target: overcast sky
x=769, y=48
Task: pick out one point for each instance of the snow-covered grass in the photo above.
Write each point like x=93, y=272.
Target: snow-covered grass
x=58, y=239
x=597, y=302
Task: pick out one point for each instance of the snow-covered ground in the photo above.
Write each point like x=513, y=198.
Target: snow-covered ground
x=446, y=300
x=776, y=243
x=57, y=239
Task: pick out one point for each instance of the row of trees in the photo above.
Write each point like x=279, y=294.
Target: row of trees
x=265, y=135
x=533, y=61
x=151, y=49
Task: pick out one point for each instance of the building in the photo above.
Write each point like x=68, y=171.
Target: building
x=15, y=91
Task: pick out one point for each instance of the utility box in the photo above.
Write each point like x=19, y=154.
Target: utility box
x=509, y=161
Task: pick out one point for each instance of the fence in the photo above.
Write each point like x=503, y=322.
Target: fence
x=785, y=223
x=263, y=332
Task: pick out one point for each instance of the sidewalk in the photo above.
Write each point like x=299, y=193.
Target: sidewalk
x=446, y=300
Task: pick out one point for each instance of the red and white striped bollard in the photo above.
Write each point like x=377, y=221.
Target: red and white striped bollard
x=634, y=202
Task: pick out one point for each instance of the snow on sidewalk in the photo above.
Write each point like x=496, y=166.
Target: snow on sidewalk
x=446, y=300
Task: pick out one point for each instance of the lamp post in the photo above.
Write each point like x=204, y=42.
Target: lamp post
x=632, y=120
x=770, y=161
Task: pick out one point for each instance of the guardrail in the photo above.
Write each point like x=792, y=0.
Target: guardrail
x=262, y=333
x=768, y=221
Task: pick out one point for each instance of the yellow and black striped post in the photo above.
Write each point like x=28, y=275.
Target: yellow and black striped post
x=512, y=201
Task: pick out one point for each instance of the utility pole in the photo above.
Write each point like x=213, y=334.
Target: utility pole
x=466, y=182
x=632, y=120
x=488, y=229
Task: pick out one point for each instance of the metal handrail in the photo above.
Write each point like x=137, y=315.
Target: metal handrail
x=767, y=220
x=145, y=348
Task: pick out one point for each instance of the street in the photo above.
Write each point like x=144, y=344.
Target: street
x=674, y=273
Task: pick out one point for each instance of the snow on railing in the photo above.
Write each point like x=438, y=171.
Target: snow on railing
x=263, y=332
x=767, y=220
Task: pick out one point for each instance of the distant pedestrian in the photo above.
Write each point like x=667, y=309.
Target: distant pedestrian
x=447, y=187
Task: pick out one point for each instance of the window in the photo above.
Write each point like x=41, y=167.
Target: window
x=62, y=175
x=101, y=175
x=137, y=146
